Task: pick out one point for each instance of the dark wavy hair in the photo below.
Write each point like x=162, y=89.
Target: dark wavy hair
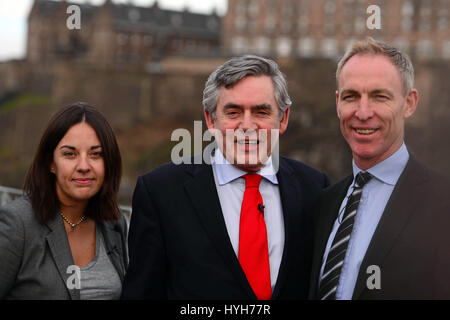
x=40, y=183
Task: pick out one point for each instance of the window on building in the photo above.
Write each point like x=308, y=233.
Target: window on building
x=407, y=15
x=121, y=56
x=148, y=40
x=303, y=24
x=425, y=16
x=134, y=15
x=262, y=45
x=443, y=15
x=177, y=44
x=446, y=49
x=407, y=24
x=348, y=18
x=176, y=20
x=286, y=26
x=212, y=23
x=252, y=25
x=287, y=9
x=424, y=48
x=240, y=7
x=270, y=9
x=284, y=46
x=442, y=24
x=330, y=7
x=122, y=39
x=135, y=39
x=253, y=8
x=270, y=23
x=134, y=57
x=190, y=45
x=360, y=25
x=329, y=17
x=328, y=47
x=239, y=22
x=238, y=45
x=306, y=47
x=407, y=8
x=302, y=16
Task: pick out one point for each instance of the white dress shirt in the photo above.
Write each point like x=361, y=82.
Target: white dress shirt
x=230, y=188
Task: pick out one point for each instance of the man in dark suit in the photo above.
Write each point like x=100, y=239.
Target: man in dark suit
x=238, y=225
x=382, y=232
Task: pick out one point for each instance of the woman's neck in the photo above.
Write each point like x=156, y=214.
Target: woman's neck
x=73, y=212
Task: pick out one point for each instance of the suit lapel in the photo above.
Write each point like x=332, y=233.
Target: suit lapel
x=203, y=194
x=291, y=200
x=60, y=250
x=329, y=202
x=113, y=246
x=399, y=209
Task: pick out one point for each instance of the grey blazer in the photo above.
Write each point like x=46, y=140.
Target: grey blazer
x=34, y=257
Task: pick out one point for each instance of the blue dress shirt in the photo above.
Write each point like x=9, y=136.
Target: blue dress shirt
x=375, y=196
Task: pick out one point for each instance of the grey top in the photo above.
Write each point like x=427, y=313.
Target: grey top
x=36, y=260
x=99, y=279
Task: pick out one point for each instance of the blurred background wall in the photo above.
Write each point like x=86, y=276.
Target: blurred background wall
x=145, y=67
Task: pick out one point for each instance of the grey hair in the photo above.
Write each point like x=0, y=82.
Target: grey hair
x=238, y=68
x=400, y=60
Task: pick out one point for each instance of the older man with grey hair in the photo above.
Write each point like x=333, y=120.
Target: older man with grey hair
x=382, y=232
x=237, y=226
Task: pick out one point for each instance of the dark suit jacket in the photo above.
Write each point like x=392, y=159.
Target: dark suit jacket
x=411, y=244
x=179, y=246
x=35, y=257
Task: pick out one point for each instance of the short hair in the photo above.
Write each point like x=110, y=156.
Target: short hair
x=370, y=46
x=40, y=183
x=238, y=68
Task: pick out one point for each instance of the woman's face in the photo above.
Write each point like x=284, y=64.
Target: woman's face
x=78, y=165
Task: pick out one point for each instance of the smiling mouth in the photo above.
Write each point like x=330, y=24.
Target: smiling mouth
x=248, y=142
x=83, y=180
x=365, y=131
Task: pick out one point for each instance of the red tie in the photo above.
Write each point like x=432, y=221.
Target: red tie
x=253, y=248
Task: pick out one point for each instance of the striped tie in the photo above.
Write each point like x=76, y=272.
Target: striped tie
x=335, y=259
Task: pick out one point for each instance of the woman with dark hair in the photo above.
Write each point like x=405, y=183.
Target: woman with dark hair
x=66, y=238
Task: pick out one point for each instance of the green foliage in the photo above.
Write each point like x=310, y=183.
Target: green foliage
x=24, y=99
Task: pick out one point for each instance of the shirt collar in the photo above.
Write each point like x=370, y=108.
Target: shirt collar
x=226, y=172
x=390, y=169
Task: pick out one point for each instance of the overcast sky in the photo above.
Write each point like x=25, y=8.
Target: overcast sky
x=13, y=15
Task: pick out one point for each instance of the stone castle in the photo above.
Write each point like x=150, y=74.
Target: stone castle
x=145, y=69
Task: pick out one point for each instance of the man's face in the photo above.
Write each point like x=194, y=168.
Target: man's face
x=245, y=114
x=372, y=108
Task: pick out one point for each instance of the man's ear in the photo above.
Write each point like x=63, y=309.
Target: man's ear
x=209, y=120
x=411, y=103
x=284, y=121
x=337, y=104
